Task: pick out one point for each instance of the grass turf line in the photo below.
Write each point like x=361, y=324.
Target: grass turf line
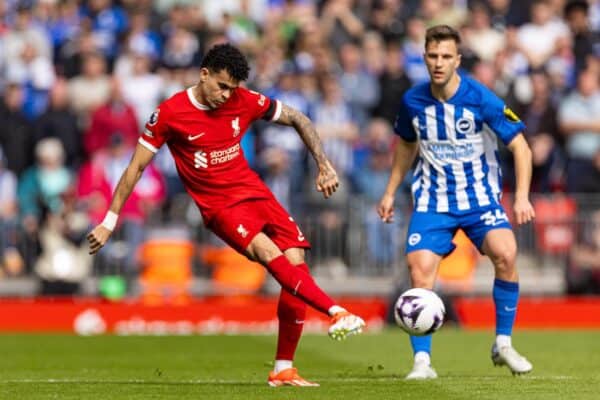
x=566, y=366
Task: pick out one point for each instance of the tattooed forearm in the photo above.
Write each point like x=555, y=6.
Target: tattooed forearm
x=292, y=117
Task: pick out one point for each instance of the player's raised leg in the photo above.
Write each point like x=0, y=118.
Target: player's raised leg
x=301, y=284
x=423, y=266
x=500, y=245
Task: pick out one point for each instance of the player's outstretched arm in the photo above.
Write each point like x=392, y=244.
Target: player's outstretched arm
x=404, y=155
x=327, y=181
x=523, y=209
x=98, y=237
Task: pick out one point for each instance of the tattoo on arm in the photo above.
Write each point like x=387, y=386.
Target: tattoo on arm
x=292, y=117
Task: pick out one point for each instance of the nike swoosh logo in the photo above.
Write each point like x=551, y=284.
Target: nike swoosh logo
x=509, y=309
x=194, y=137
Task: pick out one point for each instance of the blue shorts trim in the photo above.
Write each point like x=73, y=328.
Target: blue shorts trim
x=434, y=231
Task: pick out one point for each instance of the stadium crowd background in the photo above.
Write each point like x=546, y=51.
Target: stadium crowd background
x=78, y=79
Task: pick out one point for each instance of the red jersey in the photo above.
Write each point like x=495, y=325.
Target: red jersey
x=205, y=145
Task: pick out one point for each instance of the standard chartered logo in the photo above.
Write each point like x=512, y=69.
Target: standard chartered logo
x=203, y=159
x=200, y=159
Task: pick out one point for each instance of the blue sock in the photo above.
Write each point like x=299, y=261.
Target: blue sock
x=421, y=343
x=506, y=296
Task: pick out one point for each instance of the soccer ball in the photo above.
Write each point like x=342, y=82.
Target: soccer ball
x=419, y=311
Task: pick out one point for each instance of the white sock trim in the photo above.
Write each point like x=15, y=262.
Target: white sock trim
x=280, y=365
x=335, y=309
x=421, y=356
x=503, y=341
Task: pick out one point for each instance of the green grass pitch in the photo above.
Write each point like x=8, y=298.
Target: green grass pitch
x=566, y=366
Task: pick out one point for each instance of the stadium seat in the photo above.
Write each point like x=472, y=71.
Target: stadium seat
x=232, y=272
x=167, y=272
x=555, y=223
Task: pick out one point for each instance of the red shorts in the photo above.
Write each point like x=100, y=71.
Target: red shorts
x=237, y=225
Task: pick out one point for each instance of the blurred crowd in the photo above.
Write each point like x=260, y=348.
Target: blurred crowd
x=79, y=78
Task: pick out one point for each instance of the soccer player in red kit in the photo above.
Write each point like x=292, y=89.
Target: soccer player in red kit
x=203, y=127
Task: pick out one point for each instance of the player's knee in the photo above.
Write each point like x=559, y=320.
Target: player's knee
x=262, y=250
x=422, y=274
x=504, y=256
x=422, y=269
x=295, y=256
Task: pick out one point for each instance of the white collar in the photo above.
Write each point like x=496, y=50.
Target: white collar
x=196, y=103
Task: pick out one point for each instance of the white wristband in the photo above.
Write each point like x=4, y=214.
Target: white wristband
x=110, y=220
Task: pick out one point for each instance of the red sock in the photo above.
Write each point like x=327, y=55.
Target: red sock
x=291, y=312
x=299, y=283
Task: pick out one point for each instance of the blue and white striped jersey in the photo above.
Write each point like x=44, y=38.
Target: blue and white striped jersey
x=458, y=167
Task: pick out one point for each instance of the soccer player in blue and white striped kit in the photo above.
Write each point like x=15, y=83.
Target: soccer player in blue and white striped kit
x=452, y=123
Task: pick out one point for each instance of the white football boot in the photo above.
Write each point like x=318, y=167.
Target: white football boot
x=507, y=355
x=344, y=324
x=421, y=370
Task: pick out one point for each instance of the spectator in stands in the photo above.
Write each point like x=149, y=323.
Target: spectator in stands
x=412, y=48
x=40, y=191
x=360, y=87
x=510, y=61
x=334, y=121
x=340, y=24
x=91, y=89
x=42, y=185
x=23, y=31
x=60, y=122
x=73, y=54
x=537, y=39
x=373, y=51
x=539, y=115
x=182, y=49
x=241, y=30
x=11, y=261
x=388, y=18
x=595, y=15
x=140, y=38
x=142, y=89
x=108, y=22
x=583, y=268
x=15, y=130
x=446, y=12
x=116, y=115
x=4, y=20
x=579, y=119
x=63, y=23
x=590, y=181
x=276, y=171
x=383, y=240
x=393, y=83
x=266, y=69
x=97, y=180
x=586, y=43
x=284, y=137
x=64, y=261
x=506, y=13
x=36, y=74
x=480, y=36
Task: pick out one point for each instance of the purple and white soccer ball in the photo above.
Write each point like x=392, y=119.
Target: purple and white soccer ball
x=419, y=311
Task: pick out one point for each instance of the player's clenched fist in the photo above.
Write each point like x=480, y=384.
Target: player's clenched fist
x=385, y=209
x=98, y=237
x=327, y=180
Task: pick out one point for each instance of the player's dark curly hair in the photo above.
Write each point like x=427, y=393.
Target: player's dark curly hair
x=227, y=57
